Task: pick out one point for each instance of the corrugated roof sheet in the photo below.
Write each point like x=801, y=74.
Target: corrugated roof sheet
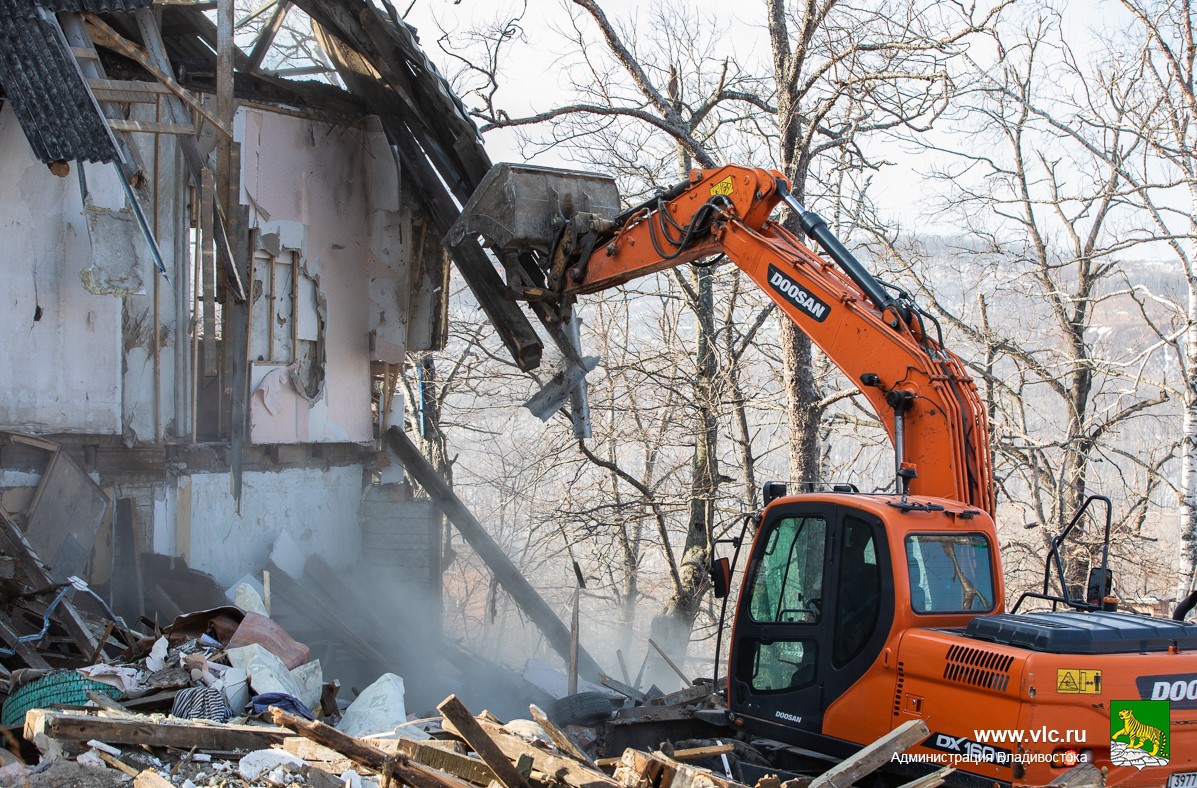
x=78, y=6
x=53, y=104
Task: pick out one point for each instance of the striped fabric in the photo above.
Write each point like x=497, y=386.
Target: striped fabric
x=200, y=703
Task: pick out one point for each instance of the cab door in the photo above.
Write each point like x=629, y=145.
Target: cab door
x=813, y=614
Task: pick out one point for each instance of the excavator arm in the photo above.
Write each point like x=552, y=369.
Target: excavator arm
x=920, y=391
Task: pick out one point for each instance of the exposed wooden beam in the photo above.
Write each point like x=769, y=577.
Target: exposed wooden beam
x=150, y=127
x=105, y=35
x=396, y=765
x=139, y=730
x=468, y=728
x=266, y=35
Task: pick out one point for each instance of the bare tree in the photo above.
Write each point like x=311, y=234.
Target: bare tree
x=1047, y=223
x=1161, y=49
x=651, y=100
x=842, y=74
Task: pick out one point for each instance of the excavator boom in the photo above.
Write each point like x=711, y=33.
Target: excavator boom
x=920, y=391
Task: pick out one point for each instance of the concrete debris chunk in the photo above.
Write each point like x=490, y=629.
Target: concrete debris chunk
x=91, y=760
x=310, y=680
x=254, y=764
x=247, y=597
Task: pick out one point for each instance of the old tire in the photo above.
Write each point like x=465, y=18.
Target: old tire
x=584, y=708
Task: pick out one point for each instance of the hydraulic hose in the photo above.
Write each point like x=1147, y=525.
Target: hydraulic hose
x=813, y=225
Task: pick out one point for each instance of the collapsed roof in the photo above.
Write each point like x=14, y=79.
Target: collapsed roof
x=68, y=99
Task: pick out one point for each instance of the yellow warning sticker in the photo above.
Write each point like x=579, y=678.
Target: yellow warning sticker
x=1078, y=682
x=724, y=187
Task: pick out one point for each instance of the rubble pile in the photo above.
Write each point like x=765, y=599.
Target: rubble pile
x=225, y=696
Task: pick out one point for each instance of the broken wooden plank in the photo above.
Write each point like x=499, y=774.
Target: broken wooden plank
x=15, y=543
x=671, y=663
x=469, y=729
x=685, y=696
x=185, y=735
x=557, y=736
x=159, y=700
x=116, y=763
x=266, y=35
x=697, y=753
x=396, y=765
x=149, y=778
x=101, y=32
x=25, y=651
x=874, y=756
x=505, y=571
x=622, y=688
x=131, y=85
x=637, y=769
x=438, y=757
x=688, y=754
x=107, y=704
x=676, y=774
x=207, y=234
x=312, y=752
x=150, y=127
x=554, y=767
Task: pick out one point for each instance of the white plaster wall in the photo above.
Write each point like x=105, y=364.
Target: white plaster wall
x=315, y=174
x=61, y=373
x=162, y=537
x=317, y=508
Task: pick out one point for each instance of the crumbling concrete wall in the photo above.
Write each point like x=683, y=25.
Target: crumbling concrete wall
x=325, y=201
x=77, y=331
x=95, y=342
x=316, y=508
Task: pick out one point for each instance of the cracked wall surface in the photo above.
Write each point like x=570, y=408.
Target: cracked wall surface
x=60, y=346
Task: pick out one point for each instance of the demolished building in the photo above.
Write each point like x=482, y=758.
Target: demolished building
x=215, y=270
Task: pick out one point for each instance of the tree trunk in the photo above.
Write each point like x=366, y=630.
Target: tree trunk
x=671, y=629
x=1188, y=474
x=802, y=397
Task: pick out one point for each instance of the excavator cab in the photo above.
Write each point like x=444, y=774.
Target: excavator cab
x=815, y=608
x=831, y=583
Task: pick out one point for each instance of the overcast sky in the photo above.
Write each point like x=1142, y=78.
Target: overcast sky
x=536, y=78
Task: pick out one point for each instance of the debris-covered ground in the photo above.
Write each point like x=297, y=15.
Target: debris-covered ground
x=226, y=697
x=207, y=687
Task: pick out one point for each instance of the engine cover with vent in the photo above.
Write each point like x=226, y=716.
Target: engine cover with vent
x=1084, y=633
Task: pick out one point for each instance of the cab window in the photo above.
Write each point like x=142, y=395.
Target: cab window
x=778, y=665
x=858, y=604
x=788, y=586
x=950, y=573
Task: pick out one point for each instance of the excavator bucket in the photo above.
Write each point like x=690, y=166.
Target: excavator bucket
x=514, y=206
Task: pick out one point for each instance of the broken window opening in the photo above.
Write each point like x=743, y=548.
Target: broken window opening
x=288, y=321
x=209, y=292
x=386, y=396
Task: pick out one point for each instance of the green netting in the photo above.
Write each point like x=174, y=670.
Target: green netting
x=64, y=688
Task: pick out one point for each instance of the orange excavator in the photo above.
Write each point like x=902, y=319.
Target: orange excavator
x=860, y=612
